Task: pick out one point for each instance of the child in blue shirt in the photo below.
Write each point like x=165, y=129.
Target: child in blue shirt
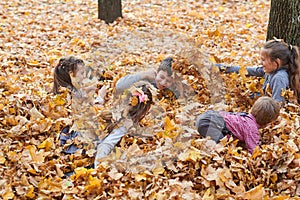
x=280, y=68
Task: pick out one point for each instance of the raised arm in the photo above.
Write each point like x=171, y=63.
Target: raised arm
x=127, y=81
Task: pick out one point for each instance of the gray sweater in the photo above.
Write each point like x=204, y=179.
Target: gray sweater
x=278, y=80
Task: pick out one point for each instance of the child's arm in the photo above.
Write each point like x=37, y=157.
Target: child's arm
x=252, y=71
x=252, y=140
x=255, y=71
x=109, y=142
x=127, y=81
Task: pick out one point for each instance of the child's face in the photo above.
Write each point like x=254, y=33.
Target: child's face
x=163, y=80
x=269, y=66
x=80, y=72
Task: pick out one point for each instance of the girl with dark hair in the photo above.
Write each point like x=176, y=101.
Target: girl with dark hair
x=280, y=68
x=137, y=104
x=72, y=74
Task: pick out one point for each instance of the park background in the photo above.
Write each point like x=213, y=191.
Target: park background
x=174, y=163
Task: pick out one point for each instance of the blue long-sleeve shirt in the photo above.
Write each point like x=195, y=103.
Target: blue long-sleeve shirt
x=277, y=80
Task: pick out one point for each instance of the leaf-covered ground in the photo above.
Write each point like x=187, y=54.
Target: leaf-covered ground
x=165, y=159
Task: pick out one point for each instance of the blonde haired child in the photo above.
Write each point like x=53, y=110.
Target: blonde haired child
x=242, y=126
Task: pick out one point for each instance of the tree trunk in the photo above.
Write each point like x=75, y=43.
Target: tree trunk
x=109, y=10
x=284, y=21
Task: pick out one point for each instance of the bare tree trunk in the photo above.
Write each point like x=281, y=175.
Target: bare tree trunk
x=109, y=10
x=284, y=21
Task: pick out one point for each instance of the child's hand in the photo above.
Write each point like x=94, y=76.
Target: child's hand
x=101, y=95
x=102, y=92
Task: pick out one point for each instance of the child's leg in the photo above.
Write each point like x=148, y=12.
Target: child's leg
x=108, y=143
x=211, y=124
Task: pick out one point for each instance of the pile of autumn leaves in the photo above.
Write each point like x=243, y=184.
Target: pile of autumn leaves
x=166, y=159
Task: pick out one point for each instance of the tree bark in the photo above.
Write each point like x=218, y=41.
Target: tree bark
x=109, y=10
x=284, y=21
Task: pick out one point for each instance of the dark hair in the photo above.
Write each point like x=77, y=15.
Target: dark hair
x=289, y=56
x=62, y=73
x=138, y=111
x=166, y=65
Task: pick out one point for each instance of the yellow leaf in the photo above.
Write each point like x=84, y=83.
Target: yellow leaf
x=93, y=184
x=33, y=63
x=11, y=120
x=221, y=8
x=59, y=100
x=2, y=159
x=32, y=171
x=47, y=144
x=134, y=101
x=173, y=19
x=273, y=178
x=30, y=193
x=207, y=195
x=281, y=198
x=140, y=177
x=169, y=124
x=249, y=25
x=8, y=195
x=252, y=87
x=81, y=172
x=195, y=155
x=256, y=153
x=158, y=170
x=12, y=155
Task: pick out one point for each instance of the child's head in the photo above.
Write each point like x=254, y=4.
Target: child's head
x=275, y=54
x=140, y=100
x=265, y=110
x=62, y=71
x=164, y=77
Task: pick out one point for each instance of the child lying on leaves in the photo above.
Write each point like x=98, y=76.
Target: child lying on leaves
x=242, y=126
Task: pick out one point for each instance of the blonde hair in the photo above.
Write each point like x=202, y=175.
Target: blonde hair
x=265, y=110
